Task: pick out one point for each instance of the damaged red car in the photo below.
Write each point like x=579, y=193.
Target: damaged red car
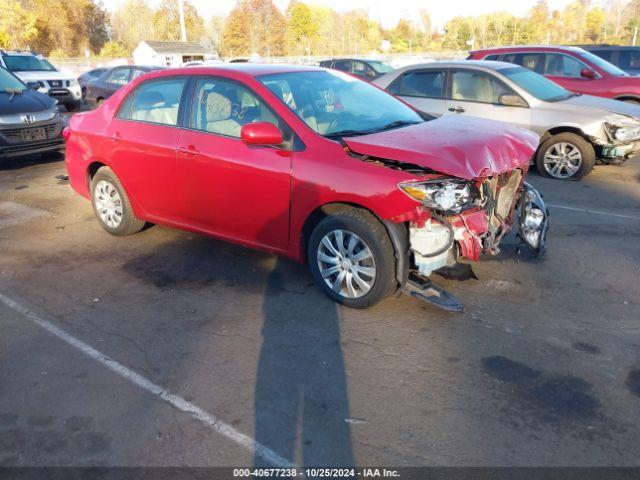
x=311, y=164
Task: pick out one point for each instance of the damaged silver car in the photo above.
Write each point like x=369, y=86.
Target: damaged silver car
x=575, y=130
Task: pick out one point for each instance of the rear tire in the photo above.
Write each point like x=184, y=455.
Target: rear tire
x=565, y=156
x=111, y=205
x=352, y=259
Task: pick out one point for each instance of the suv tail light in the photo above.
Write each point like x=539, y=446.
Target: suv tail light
x=66, y=133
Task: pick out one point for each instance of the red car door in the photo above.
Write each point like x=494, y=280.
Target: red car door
x=142, y=139
x=232, y=189
x=567, y=71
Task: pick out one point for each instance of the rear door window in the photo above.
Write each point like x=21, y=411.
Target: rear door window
x=155, y=101
x=342, y=65
x=531, y=60
x=429, y=84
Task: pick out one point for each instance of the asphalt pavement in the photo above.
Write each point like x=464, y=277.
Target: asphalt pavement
x=170, y=348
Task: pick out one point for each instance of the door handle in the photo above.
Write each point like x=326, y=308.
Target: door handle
x=115, y=137
x=456, y=109
x=189, y=151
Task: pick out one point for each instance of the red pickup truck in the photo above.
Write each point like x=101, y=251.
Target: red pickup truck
x=571, y=67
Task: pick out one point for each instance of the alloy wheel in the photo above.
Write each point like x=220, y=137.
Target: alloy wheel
x=346, y=263
x=562, y=160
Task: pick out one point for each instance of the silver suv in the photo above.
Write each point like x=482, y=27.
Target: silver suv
x=39, y=74
x=574, y=128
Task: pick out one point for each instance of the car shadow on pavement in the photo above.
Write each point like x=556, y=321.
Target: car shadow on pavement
x=301, y=399
x=27, y=161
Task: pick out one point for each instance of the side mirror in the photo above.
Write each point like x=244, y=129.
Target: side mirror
x=587, y=73
x=261, y=133
x=511, y=100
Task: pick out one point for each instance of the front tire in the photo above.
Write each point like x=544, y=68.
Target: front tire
x=565, y=156
x=352, y=259
x=111, y=205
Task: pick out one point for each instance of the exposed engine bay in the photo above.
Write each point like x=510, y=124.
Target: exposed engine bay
x=464, y=219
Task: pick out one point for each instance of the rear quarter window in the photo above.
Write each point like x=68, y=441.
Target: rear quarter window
x=419, y=84
x=154, y=101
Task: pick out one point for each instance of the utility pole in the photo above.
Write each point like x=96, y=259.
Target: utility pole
x=183, y=28
x=635, y=36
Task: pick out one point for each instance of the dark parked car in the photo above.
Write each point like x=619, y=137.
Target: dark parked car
x=365, y=69
x=101, y=88
x=29, y=121
x=86, y=77
x=625, y=58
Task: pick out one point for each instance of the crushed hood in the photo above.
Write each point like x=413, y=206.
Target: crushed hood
x=455, y=145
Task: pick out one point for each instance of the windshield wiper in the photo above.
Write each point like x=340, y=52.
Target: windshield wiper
x=346, y=133
x=396, y=124
x=388, y=126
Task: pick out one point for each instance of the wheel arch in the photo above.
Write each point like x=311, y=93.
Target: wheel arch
x=562, y=129
x=628, y=96
x=398, y=233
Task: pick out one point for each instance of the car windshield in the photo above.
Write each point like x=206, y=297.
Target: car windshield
x=380, y=67
x=535, y=84
x=27, y=63
x=336, y=104
x=602, y=64
x=9, y=83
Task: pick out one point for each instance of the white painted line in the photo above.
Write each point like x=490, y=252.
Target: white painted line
x=176, y=401
x=595, y=212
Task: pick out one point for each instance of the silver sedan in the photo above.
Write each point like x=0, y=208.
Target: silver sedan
x=574, y=129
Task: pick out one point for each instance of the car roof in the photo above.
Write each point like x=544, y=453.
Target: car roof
x=483, y=64
x=248, y=69
x=516, y=48
x=350, y=58
x=24, y=53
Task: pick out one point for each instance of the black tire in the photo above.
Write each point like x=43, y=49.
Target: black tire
x=588, y=155
x=374, y=235
x=73, y=106
x=129, y=223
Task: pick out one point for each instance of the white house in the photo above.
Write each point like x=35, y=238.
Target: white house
x=170, y=54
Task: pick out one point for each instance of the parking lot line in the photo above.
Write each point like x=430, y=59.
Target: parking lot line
x=176, y=401
x=594, y=212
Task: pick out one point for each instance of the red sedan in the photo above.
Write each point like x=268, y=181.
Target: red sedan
x=311, y=164
x=573, y=68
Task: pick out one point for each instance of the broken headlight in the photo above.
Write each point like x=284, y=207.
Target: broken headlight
x=534, y=222
x=623, y=131
x=446, y=196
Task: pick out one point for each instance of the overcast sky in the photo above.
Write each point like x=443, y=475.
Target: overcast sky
x=390, y=11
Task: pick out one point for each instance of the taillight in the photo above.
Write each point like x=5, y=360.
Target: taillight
x=66, y=133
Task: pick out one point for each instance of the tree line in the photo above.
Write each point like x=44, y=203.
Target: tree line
x=258, y=26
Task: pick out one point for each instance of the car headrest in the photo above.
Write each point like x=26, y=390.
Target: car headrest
x=218, y=107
